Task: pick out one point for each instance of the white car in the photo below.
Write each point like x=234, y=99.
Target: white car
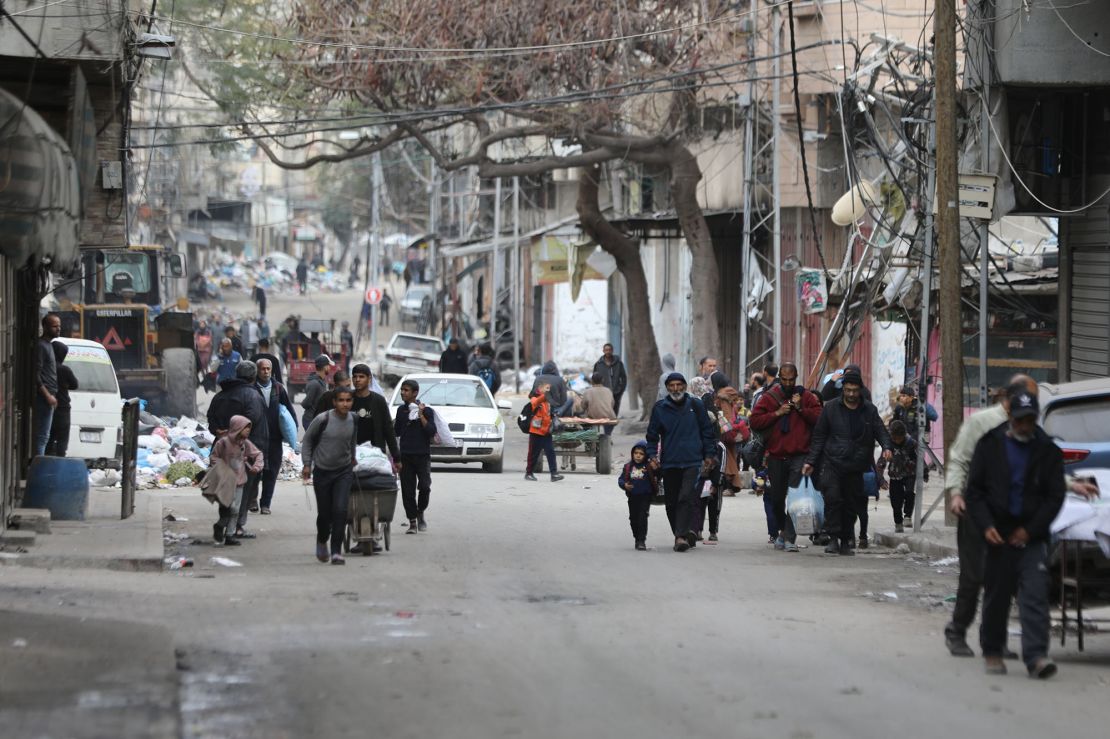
x=471, y=413
x=96, y=415
x=408, y=353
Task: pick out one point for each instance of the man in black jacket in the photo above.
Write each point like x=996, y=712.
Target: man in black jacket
x=240, y=396
x=1015, y=488
x=843, y=446
x=453, y=359
x=373, y=421
x=274, y=396
x=415, y=427
x=613, y=375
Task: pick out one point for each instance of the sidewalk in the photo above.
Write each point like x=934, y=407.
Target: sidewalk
x=934, y=539
x=103, y=540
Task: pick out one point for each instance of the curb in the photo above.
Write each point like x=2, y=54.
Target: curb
x=918, y=543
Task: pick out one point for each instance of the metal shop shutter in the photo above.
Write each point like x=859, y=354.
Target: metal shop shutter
x=1089, y=241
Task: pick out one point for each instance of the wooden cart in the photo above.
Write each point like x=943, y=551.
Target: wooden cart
x=584, y=437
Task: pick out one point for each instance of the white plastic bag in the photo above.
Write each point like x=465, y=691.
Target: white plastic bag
x=443, y=435
x=154, y=443
x=806, y=507
x=369, y=458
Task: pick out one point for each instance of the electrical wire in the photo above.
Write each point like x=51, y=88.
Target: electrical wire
x=1086, y=44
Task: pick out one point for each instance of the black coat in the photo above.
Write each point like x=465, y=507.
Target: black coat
x=988, y=485
x=453, y=362
x=238, y=397
x=613, y=376
x=374, y=423
x=832, y=443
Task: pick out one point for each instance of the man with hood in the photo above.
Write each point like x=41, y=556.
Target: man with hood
x=560, y=401
x=59, y=426
x=668, y=364
x=613, y=375
x=689, y=448
x=482, y=365
x=240, y=396
x=453, y=359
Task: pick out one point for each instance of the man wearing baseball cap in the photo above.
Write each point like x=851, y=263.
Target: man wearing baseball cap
x=1015, y=488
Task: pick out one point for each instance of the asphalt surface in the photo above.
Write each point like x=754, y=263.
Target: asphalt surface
x=525, y=612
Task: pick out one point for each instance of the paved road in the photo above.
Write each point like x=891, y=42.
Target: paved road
x=524, y=611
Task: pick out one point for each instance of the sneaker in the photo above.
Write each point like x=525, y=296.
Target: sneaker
x=957, y=646
x=337, y=559
x=530, y=477
x=556, y=478
x=421, y=524
x=681, y=545
x=698, y=536
x=1042, y=669
x=265, y=511
x=230, y=541
x=863, y=542
x=322, y=552
x=712, y=536
x=833, y=547
x=791, y=547
x=253, y=508
x=780, y=544
x=898, y=528
x=846, y=551
x=641, y=546
x=414, y=525
x=771, y=539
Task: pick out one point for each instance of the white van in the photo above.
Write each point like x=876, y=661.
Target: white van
x=96, y=418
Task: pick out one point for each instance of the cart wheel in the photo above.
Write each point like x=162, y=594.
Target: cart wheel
x=604, y=455
x=574, y=465
x=385, y=534
x=347, y=538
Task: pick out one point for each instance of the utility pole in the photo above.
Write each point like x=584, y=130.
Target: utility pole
x=496, y=271
x=518, y=284
x=948, y=225
x=375, y=244
x=984, y=11
x=750, y=125
x=776, y=181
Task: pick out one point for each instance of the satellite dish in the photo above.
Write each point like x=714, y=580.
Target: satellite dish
x=790, y=264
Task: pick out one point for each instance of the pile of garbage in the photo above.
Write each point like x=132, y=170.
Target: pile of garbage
x=272, y=275
x=174, y=451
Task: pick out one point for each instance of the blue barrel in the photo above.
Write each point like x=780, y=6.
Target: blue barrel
x=60, y=485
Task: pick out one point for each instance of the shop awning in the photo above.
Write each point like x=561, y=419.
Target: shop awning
x=40, y=206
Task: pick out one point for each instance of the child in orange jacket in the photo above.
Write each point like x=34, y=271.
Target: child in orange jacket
x=539, y=434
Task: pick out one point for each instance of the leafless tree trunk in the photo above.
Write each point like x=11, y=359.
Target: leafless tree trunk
x=704, y=277
x=641, y=352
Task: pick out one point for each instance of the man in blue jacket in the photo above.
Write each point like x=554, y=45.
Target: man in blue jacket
x=689, y=445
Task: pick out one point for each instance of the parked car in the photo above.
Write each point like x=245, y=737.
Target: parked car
x=96, y=418
x=1077, y=415
x=410, y=353
x=471, y=413
x=416, y=305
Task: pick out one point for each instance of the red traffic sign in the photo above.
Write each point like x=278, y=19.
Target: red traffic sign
x=373, y=295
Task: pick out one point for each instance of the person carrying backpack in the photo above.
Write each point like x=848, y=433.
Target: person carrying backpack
x=539, y=433
x=785, y=414
x=328, y=453
x=483, y=366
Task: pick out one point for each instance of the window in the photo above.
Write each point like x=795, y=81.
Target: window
x=93, y=369
x=453, y=393
x=123, y=268
x=416, y=344
x=1084, y=420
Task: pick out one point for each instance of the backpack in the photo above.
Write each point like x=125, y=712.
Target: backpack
x=524, y=420
x=488, y=376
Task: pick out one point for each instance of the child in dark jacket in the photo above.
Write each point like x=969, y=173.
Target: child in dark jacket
x=901, y=470
x=638, y=482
